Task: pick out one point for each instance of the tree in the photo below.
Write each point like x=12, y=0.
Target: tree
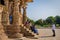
x=44, y=22
x=32, y=21
x=39, y=22
x=50, y=20
x=57, y=19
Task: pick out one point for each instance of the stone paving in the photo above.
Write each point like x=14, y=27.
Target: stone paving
x=44, y=34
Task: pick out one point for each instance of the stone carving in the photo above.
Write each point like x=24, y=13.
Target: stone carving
x=14, y=30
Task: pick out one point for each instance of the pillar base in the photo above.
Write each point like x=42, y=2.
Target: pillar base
x=16, y=35
x=3, y=36
x=13, y=31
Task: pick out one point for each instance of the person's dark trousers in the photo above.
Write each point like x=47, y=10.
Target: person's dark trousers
x=53, y=33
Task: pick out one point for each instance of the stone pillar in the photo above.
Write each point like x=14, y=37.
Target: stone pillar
x=16, y=25
x=2, y=32
x=11, y=11
x=16, y=12
x=21, y=17
x=10, y=8
x=24, y=15
x=1, y=9
x=24, y=11
x=5, y=18
x=6, y=2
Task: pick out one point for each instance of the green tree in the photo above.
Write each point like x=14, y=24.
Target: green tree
x=32, y=21
x=39, y=22
x=44, y=22
x=50, y=20
x=57, y=19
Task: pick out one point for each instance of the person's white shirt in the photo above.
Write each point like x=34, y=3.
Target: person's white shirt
x=53, y=26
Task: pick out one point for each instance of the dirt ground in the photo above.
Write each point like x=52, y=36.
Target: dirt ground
x=44, y=34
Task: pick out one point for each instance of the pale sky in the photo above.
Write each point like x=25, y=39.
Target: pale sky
x=43, y=8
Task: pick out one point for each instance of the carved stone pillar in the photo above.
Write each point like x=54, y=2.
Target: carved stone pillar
x=6, y=2
x=21, y=17
x=5, y=19
x=16, y=16
x=1, y=9
x=2, y=32
x=24, y=10
x=11, y=11
x=24, y=15
x=10, y=8
x=16, y=12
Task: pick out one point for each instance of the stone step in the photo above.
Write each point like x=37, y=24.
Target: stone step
x=28, y=31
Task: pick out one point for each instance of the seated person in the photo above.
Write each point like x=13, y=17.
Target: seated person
x=34, y=29
x=27, y=24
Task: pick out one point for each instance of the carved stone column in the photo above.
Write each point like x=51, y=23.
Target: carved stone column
x=16, y=12
x=24, y=10
x=11, y=11
x=5, y=19
x=24, y=15
x=10, y=8
x=16, y=25
x=3, y=36
x=1, y=9
x=6, y=2
x=21, y=16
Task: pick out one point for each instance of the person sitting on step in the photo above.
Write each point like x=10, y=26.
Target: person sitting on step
x=34, y=29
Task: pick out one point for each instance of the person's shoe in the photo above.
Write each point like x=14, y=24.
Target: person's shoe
x=53, y=35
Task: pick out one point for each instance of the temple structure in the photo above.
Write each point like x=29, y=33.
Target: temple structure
x=16, y=29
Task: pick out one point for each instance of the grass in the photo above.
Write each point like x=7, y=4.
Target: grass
x=46, y=26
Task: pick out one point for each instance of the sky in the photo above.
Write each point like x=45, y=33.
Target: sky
x=41, y=9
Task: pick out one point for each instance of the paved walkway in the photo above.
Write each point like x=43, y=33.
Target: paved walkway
x=45, y=34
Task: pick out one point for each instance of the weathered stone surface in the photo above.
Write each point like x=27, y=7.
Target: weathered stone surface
x=16, y=12
x=20, y=19
x=12, y=30
x=16, y=35
x=3, y=36
x=24, y=15
x=5, y=16
x=1, y=10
